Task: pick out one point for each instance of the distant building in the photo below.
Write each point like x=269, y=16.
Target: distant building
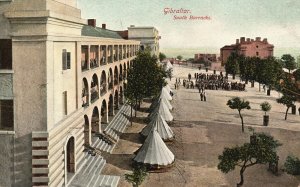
x=148, y=36
x=249, y=48
x=206, y=57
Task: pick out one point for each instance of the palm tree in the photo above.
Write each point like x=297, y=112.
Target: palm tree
x=239, y=104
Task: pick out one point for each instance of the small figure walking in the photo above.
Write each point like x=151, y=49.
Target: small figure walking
x=299, y=111
x=201, y=96
x=204, y=96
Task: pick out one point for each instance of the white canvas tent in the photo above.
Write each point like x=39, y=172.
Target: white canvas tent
x=165, y=94
x=154, y=152
x=162, y=109
x=157, y=102
x=159, y=124
x=168, y=88
x=168, y=65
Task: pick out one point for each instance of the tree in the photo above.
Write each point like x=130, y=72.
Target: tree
x=232, y=64
x=179, y=57
x=266, y=107
x=260, y=151
x=247, y=68
x=137, y=176
x=239, y=104
x=288, y=62
x=145, y=78
x=287, y=100
x=298, y=62
x=268, y=71
x=296, y=74
x=162, y=57
x=289, y=92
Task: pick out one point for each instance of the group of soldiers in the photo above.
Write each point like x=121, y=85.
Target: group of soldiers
x=215, y=82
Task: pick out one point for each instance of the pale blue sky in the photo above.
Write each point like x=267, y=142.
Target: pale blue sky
x=277, y=20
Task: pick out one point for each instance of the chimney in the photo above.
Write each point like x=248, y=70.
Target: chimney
x=252, y=40
x=92, y=22
x=103, y=26
x=265, y=40
x=248, y=39
x=132, y=26
x=242, y=39
x=257, y=39
x=237, y=41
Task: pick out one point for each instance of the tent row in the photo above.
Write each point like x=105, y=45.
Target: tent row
x=154, y=153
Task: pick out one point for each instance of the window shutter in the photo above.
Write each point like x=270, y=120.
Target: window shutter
x=65, y=96
x=68, y=60
x=64, y=59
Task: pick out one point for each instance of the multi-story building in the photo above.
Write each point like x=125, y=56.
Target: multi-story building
x=148, y=36
x=61, y=79
x=249, y=48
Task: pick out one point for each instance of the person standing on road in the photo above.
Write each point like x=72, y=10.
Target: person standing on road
x=201, y=96
x=299, y=110
x=204, y=95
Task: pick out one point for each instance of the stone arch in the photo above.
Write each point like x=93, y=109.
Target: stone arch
x=87, y=132
x=69, y=154
x=111, y=105
x=125, y=72
x=103, y=83
x=104, y=115
x=121, y=96
x=116, y=76
x=116, y=100
x=121, y=73
x=85, y=93
x=94, y=88
x=95, y=121
x=110, y=79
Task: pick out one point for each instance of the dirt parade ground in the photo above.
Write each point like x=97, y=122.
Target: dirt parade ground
x=202, y=130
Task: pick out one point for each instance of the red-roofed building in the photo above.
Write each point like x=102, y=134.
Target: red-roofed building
x=247, y=47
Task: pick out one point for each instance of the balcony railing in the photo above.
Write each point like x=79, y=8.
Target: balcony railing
x=103, y=89
x=110, y=86
x=109, y=59
x=103, y=61
x=84, y=65
x=94, y=96
x=115, y=57
x=116, y=82
x=85, y=98
x=94, y=63
x=124, y=55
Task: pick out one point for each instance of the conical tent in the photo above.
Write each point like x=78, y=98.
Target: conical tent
x=159, y=124
x=168, y=88
x=168, y=66
x=154, y=152
x=155, y=103
x=167, y=102
x=165, y=94
x=162, y=109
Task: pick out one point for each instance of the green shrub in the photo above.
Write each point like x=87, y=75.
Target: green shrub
x=292, y=165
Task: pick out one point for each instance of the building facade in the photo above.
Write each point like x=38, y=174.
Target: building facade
x=148, y=36
x=247, y=47
x=61, y=81
x=206, y=57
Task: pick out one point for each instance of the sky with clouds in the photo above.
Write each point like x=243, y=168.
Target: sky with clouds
x=277, y=20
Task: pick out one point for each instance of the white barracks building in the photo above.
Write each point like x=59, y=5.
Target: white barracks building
x=61, y=82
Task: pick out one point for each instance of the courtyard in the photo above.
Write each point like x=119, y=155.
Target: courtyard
x=202, y=130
